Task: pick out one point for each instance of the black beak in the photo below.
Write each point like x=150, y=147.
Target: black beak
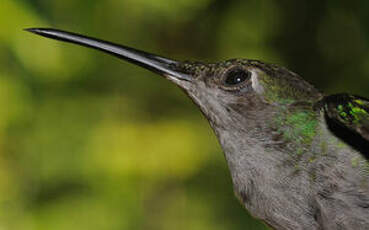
x=157, y=64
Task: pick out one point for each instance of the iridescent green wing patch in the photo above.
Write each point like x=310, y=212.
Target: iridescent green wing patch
x=349, y=111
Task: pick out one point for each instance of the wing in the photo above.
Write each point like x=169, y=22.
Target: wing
x=351, y=112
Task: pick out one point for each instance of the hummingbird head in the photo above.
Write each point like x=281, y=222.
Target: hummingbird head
x=228, y=92
x=242, y=90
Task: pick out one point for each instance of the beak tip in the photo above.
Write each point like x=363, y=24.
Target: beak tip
x=40, y=31
x=32, y=30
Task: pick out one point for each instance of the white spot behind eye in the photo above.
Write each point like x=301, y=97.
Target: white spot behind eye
x=255, y=82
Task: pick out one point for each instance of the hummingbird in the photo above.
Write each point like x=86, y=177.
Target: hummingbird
x=299, y=159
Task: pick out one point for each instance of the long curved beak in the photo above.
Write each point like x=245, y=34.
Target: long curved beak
x=157, y=64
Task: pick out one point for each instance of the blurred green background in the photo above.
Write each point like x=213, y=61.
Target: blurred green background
x=90, y=142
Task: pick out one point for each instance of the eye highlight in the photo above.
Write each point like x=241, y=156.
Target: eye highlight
x=236, y=76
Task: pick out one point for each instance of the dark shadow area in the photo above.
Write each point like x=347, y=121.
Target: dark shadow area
x=49, y=193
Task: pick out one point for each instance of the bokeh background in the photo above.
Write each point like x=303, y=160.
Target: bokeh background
x=90, y=142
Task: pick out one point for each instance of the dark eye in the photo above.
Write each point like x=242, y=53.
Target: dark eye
x=236, y=76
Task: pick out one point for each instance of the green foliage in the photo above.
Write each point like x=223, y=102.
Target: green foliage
x=87, y=142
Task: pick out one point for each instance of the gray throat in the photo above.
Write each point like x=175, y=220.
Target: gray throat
x=295, y=192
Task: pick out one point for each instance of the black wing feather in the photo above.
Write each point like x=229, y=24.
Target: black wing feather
x=349, y=111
